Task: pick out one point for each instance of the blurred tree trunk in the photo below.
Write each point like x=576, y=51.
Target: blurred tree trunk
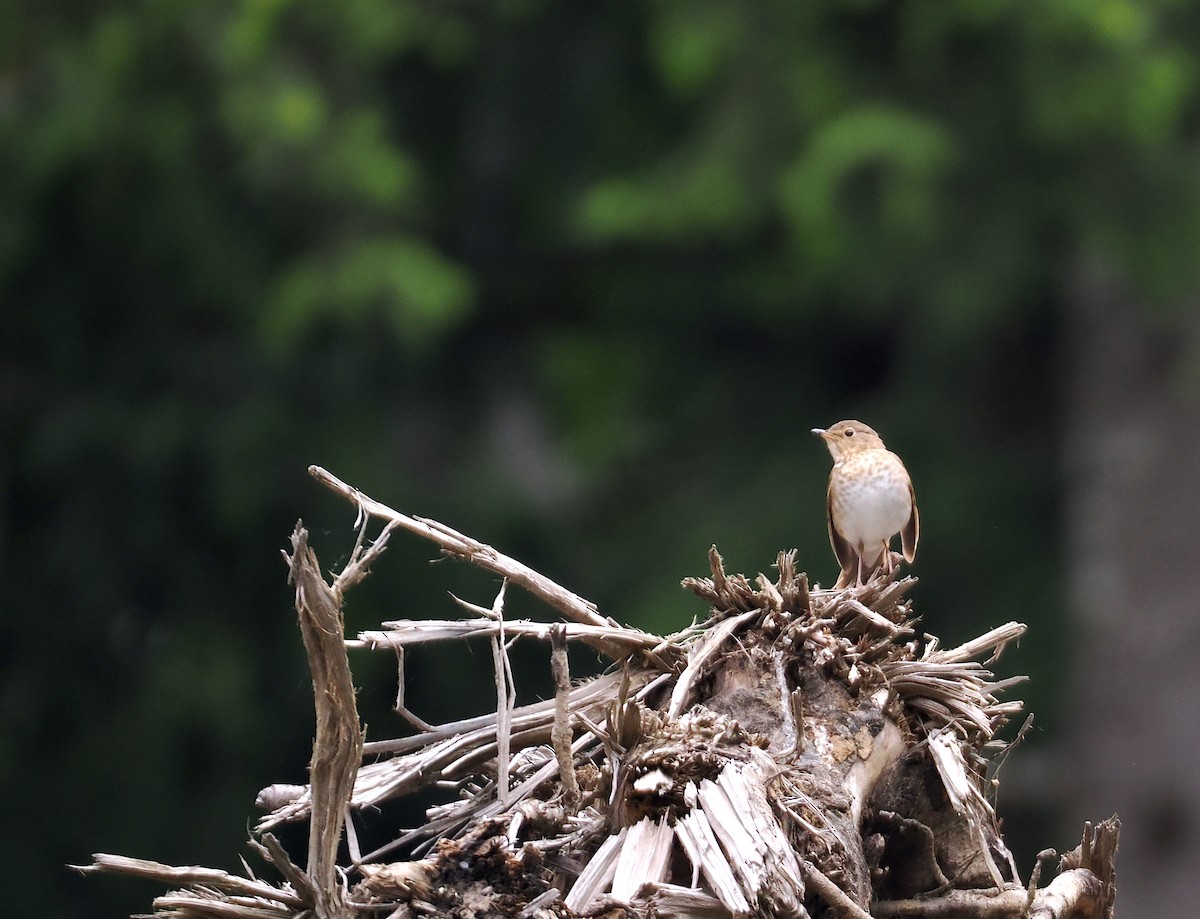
x=1133, y=540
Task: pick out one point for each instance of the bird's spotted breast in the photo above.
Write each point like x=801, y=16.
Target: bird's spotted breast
x=870, y=497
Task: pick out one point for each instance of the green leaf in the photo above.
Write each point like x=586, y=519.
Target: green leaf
x=413, y=289
x=868, y=185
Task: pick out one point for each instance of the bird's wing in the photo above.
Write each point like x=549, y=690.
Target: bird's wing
x=842, y=549
x=912, y=530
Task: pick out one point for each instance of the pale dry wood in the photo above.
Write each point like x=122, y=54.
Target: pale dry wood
x=696, y=836
x=506, y=696
x=189, y=874
x=399, y=878
x=194, y=905
x=361, y=556
x=965, y=796
x=402, y=633
x=1076, y=892
x=873, y=757
x=645, y=854
x=560, y=732
x=1096, y=854
x=448, y=753
x=682, y=902
x=949, y=690
x=1008, y=903
x=597, y=875
x=272, y=850
x=337, y=748
x=836, y=898
x=791, y=704
x=538, y=904
x=456, y=815
x=585, y=696
x=279, y=795
x=994, y=640
x=544, y=773
x=700, y=654
x=872, y=617
x=743, y=821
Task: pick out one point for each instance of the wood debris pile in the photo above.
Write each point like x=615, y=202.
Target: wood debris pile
x=801, y=752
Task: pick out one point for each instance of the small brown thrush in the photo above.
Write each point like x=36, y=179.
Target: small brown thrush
x=870, y=500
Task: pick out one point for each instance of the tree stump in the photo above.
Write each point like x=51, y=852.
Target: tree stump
x=799, y=753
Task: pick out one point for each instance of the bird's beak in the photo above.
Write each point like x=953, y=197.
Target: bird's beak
x=820, y=432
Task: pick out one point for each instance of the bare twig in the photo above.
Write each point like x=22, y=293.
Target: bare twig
x=273, y=851
x=454, y=543
x=1035, y=875
x=995, y=641
x=203, y=904
x=506, y=696
x=360, y=559
x=411, y=632
x=398, y=706
x=592, y=693
x=700, y=653
x=560, y=733
x=184, y=875
x=954, y=904
x=838, y=900
x=793, y=721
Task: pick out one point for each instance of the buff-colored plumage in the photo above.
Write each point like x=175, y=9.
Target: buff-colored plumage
x=870, y=500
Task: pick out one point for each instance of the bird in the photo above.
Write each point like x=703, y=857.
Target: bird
x=870, y=500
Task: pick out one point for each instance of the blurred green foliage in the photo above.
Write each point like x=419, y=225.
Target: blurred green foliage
x=574, y=278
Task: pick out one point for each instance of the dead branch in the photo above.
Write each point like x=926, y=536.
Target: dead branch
x=272, y=850
x=402, y=633
x=454, y=543
x=833, y=895
x=337, y=748
x=957, y=904
x=560, y=731
x=190, y=876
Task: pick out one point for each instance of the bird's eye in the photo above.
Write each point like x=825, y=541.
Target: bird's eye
x=850, y=432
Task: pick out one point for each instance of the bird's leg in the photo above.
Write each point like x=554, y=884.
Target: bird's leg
x=845, y=577
x=859, y=582
x=886, y=558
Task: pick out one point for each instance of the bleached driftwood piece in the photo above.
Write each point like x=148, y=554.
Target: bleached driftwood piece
x=799, y=751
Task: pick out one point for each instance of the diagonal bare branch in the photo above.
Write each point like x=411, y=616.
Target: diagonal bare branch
x=456, y=544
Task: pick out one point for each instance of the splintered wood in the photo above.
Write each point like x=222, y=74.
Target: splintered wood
x=799, y=752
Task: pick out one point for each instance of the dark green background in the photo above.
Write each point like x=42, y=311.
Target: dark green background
x=575, y=278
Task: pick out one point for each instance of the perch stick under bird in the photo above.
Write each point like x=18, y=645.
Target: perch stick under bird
x=799, y=751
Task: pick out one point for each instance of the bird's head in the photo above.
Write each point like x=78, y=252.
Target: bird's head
x=849, y=437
